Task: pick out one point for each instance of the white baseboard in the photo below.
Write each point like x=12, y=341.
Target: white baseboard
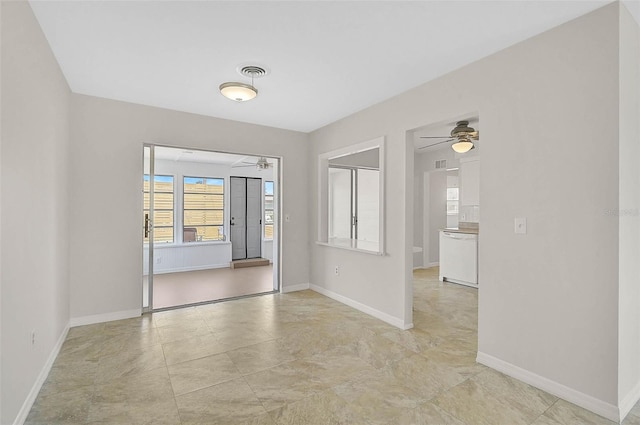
x=191, y=268
x=106, y=317
x=35, y=389
x=630, y=400
x=293, y=288
x=363, y=308
x=586, y=401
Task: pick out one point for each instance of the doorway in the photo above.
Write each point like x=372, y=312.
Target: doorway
x=246, y=218
x=188, y=202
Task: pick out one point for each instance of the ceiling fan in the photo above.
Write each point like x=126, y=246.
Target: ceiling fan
x=261, y=164
x=461, y=133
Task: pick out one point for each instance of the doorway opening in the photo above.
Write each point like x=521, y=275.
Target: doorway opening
x=190, y=235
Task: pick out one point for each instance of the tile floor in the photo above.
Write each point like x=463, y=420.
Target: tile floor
x=298, y=358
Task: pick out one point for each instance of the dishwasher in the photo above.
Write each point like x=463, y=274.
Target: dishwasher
x=459, y=258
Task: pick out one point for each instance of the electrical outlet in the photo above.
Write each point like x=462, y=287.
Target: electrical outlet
x=337, y=271
x=33, y=338
x=159, y=260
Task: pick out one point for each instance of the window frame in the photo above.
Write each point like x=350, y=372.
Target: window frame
x=184, y=209
x=265, y=209
x=155, y=210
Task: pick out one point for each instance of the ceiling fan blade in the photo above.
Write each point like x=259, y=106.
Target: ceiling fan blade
x=242, y=166
x=435, y=137
x=438, y=143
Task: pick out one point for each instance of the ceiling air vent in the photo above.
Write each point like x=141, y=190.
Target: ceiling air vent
x=441, y=163
x=252, y=71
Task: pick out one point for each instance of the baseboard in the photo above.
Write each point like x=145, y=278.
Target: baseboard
x=294, y=288
x=106, y=317
x=588, y=402
x=35, y=389
x=436, y=264
x=630, y=400
x=191, y=268
x=363, y=308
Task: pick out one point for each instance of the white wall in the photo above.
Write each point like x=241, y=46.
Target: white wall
x=177, y=256
x=106, y=163
x=629, y=212
x=548, y=299
x=34, y=193
x=434, y=213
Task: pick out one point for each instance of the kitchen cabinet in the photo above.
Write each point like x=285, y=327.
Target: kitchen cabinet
x=470, y=182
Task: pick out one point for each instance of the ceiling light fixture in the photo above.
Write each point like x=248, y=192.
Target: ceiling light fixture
x=238, y=91
x=463, y=145
x=241, y=92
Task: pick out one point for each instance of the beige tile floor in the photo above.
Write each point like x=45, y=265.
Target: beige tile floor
x=298, y=358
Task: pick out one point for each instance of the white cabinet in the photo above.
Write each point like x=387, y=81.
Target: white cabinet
x=470, y=182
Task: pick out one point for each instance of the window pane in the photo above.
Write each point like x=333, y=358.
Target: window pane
x=368, y=204
x=268, y=188
x=203, y=185
x=202, y=217
x=163, y=234
x=268, y=202
x=163, y=218
x=268, y=231
x=203, y=201
x=268, y=217
x=208, y=233
x=163, y=201
x=339, y=203
x=163, y=207
x=162, y=183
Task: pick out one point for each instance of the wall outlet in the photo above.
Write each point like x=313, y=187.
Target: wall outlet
x=33, y=338
x=337, y=271
x=158, y=260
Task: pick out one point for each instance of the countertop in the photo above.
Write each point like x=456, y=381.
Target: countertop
x=461, y=230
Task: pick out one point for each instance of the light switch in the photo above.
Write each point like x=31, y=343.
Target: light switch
x=521, y=225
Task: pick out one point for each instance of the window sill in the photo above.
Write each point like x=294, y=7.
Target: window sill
x=184, y=244
x=350, y=246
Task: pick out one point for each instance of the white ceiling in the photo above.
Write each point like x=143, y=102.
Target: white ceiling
x=327, y=59
x=192, y=155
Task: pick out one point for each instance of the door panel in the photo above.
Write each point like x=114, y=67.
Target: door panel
x=238, y=209
x=254, y=218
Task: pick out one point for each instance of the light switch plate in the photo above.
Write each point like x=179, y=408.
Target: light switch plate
x=520, y=225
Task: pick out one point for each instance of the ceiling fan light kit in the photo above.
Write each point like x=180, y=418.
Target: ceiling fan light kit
x=461, y=133
x=462, y=146
x=241, y=92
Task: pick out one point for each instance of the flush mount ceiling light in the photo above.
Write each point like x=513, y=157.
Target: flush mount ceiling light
x=241, y=92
